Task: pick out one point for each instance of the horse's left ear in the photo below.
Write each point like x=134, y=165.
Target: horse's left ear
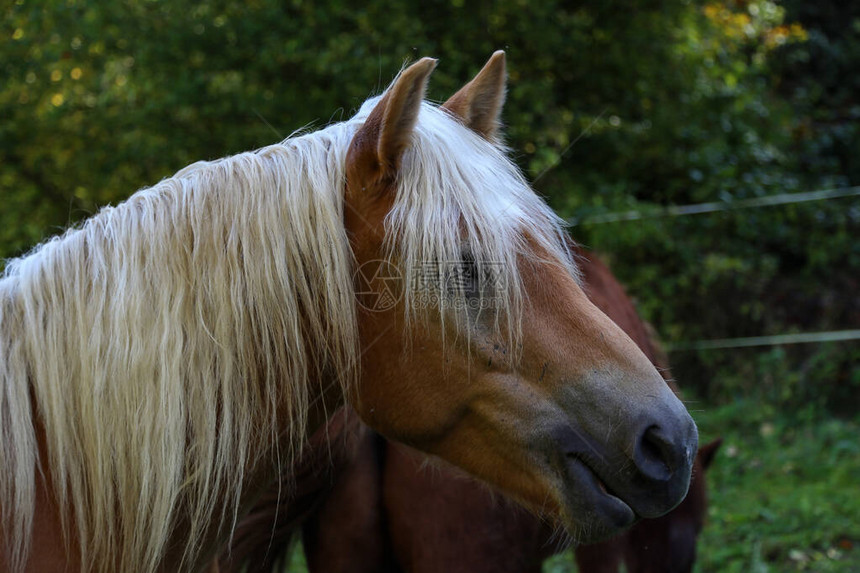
x=708, y=451
x=479, y=102
x=388, y=129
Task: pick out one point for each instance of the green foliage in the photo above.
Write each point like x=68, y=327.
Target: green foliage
x=732, y=134
x=611, y=108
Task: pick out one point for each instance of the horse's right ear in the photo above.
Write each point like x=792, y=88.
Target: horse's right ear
x=708, y=451
x=479, y=102
x=388, y=129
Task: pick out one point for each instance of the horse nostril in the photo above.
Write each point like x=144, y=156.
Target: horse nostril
x=662, y=458
x=656, y=456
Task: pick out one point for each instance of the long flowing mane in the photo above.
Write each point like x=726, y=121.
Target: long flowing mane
x=159, y=342
x=157, y=349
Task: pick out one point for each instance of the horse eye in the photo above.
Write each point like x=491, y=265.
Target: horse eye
x=465, y=276
x=468, y=264
x=459, y=277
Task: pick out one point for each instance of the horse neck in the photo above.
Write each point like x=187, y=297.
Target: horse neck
x=210, y=314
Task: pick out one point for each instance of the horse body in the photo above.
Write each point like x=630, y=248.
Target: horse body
x=164, y=362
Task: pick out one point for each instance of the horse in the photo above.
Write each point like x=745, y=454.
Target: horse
x=379, y=507
x=166, y=360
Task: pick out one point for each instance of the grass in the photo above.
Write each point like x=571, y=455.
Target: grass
x=785, y=492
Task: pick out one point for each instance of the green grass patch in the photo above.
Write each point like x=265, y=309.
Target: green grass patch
x=785, y=492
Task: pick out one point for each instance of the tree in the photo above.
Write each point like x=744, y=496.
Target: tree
x=611, y=107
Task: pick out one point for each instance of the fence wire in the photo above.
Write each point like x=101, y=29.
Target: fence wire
x=699, y=208
x=716, y=206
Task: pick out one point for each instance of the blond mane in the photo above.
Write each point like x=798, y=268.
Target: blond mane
x=160, y=346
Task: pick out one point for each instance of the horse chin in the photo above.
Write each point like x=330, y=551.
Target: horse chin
x=591, y=511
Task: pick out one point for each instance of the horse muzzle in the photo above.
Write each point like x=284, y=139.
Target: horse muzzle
x=644, y=472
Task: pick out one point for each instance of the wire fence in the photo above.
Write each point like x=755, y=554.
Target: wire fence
x=717, y=206
x=775, y=340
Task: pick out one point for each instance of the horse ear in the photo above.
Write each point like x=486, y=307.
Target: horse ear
x=708, y=451
x=392, y=121
x=479, y=102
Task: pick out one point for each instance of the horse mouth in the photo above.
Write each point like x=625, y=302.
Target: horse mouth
x=606, y=512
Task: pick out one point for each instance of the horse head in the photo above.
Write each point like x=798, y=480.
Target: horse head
x=478, y=344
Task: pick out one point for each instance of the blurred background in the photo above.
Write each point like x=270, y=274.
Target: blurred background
x=623, y=114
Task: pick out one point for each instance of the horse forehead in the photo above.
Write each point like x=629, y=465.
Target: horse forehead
x=431, y=118
x=454, y=171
